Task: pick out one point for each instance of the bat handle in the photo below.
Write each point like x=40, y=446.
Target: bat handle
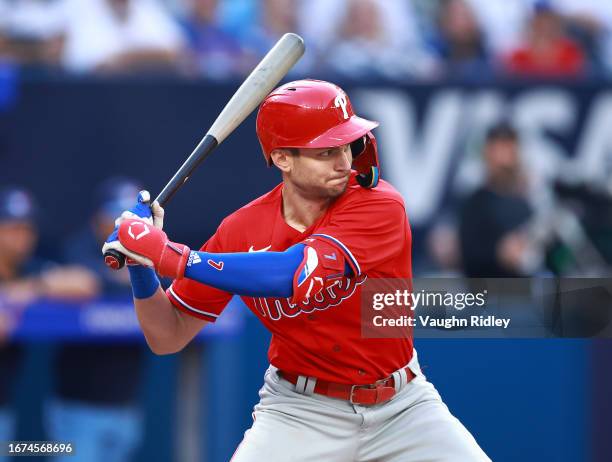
x=114, y=260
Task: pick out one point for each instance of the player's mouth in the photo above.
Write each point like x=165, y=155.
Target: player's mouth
x=339, y=179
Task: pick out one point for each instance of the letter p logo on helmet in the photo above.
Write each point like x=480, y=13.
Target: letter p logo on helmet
x=340, y=102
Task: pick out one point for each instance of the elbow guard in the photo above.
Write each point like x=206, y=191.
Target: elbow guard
x=322, y=265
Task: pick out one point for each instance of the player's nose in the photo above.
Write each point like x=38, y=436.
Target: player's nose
x=345, y=159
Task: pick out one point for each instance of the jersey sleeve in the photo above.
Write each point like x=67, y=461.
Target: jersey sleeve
x=197, y=299
x=368, y=233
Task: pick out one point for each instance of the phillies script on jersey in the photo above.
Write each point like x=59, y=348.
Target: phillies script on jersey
x=320, y=337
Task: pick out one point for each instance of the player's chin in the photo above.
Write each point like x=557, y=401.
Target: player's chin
x=337, y=188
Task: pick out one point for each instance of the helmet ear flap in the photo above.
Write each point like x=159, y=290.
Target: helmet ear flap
x=366, y=162
x=358, y=146
x=368, y=180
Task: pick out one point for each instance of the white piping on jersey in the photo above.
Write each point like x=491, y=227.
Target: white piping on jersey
x=189, y=307
x=343, y=247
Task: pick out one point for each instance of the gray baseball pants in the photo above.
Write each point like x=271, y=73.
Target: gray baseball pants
x=414, y=426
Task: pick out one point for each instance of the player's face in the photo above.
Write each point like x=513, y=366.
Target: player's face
x=321, y=173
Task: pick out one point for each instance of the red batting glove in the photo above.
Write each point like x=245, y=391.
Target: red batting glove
x=168, y=258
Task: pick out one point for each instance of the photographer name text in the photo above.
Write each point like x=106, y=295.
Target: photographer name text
x=452, y=322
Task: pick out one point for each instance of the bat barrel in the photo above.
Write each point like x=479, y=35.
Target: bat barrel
x=262, y=80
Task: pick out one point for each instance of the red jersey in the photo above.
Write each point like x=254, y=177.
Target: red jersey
x=322, y=337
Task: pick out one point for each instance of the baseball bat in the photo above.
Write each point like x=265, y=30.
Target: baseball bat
x=260, y=82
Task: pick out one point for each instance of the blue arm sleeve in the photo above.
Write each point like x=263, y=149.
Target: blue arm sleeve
x=256, y=274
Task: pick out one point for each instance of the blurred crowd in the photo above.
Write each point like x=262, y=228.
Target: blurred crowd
x=384, y=39
x=96, y=384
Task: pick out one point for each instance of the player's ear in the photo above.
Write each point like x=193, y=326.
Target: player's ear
x=283, y=159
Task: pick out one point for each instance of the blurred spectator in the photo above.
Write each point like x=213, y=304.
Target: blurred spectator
x=24, y=279
x=98, y=383
x=364, y=42
x=269, y=21
x=503, y=22
x=212, y=51
x=318, y=21
x=236, y=16
x=119, y=36
x=547, y=50
x=31, y=31
x=590, y=23
x=460, y=42
x=492, y=220
x=276, y=17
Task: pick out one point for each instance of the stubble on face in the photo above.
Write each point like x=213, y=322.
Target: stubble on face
x=318, y=189
x=318, y=178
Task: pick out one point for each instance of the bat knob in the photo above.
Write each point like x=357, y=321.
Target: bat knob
x=114, y=260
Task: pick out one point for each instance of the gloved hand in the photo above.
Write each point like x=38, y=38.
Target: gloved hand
x=150, y=245
x=151, y=214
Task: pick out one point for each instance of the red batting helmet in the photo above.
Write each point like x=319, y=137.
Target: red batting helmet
x=317, y=114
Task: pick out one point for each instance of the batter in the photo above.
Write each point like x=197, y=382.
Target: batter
x=298, y=256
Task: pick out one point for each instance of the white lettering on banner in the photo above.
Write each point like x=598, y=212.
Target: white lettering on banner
x=537, y=114
x=415, y=165
x=595, y=147
x=420, y=156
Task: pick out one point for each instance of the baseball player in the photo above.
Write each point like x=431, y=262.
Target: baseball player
x=298, y=256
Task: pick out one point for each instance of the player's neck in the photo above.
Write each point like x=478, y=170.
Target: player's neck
x=300, y=211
